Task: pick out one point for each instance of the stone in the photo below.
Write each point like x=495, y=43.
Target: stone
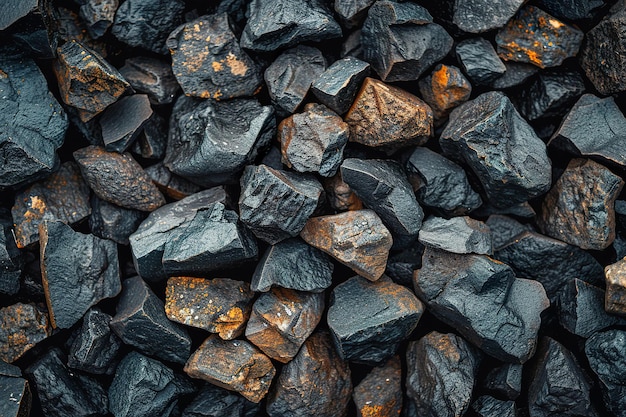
x=232, y=364
x=279, y=24
x=218, y=305
x=487, y=406
x=151, y=76
x=505, y=381
x=123, y=121
x=499, y=146
x=521, y=210
x=98, y=16
x=213, y=401
x=208, y=62
x=351, y=46
x=282, y=320
x=112, y=222
x=516, y=74
x=340, y=196
x=15, y=396
x=535, y=37
x=444, y=89
x=476, y=16
x=456, y=235
x=33, y=123
x=605, y=353
x=15, y=10
x=401, y=41
x=77, y=271
x=504, y=229
x=615, y=297
x=380, y=392
x=401, y=265
x=171, y=185
x=140, y=321
x=357, y=239
x=11, y=261
x=22, y=326
x=479, y=60
x=483, y=300
x=579, y=214
x=152, y=139
x=70, y=26
x=352, y=11
x=572, y=9
x=315, y=383
x=118, y=179
x=336, y=87
x=441, y=372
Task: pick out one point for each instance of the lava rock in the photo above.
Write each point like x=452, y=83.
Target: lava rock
x=171, y=185
x=456, y=235
x=213, y=401
x=337, y=86
x=11, y=261
x=504, y=229
x=109, y=221
x=98, y=16
x=340, y=196
x=380, y=392
x=476, y=16
x=487, y=406
x=16, y=396
x=505, y=381
x=22, y=326
x=516, y=74
x=615, y=298
x=122, y=121
x=479, y=60
x=605, y=353
x=140, y=321
x=444, y=89
x=151, y=76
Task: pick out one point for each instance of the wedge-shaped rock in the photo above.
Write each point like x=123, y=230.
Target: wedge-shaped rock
x=444, y=89
x=151, y=76
x=11, y=259
x=116, y=223
x=505, y=381
x=615, y=278
x=337, y=86
x=22, y=326
x=380, y=392
x=16, y=396
x=172, y=185
x=456, y=235
x=123, y=121
x=212, y=401
x=488, y=406
x=476, y=16
x=479, y=60
x=606, y=353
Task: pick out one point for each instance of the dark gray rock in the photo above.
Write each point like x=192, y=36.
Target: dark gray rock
x=400, y=266
x=109, y=221
x=123, y=120
x=516, y=73
x=98, y=16
x=444, y=89
x=15, y=397
x=606, y=353
x=151, y=76
x=171, y=185
x=152, y=140
x=15, y=10
x=213, y=401
x=380, y=392
x=504, y=228
x=351, y=46
x=456, y=235
x=352, y=11
x=479, y=60
x=572, y=9
x=487, y=406
x=505, y=381
x=11, y=261
x=477, y=16
x=337, y=86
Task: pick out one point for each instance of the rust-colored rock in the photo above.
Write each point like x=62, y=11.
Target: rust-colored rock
x=444, y=89
x=22, y=326
x=383, y=115
x=340, y=196
x=380, y=393
x=615, y=296
x=357, y=239
x=219, y=305
x=232, y=364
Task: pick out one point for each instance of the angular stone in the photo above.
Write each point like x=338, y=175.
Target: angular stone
x=482, y=299
x=69, y=26
x=282, y=320
x=340, y=196
x=219, y=305
x=499, y=146
x=401, y=265
x=118, y=179
x=522, y=210
x=77, y=271
x=577, y=213
x=476, y=16
x=487, y=406
x=352, y=11
x=516, y=73
x=479, y=60
x=444, y=89
x=122, y=121
x=11, y=260
x=15, y=396
x=505, y=381
x=213, y=401
x=456, y=235
x=401, y=41
x=98, y=15
x=152, y=140
x=232, y=364
x=109, y=221
x=368, y=320
x=535, y=37
x=504, y=229
x=615, y=297
x=152, y=77
x=351, y=46
x=140, y=321
x=337, y=86
x=22, y=326
x=573, y=9
x=380, y=392
x=605, y=352
x=171, y=185
x=357, y=239
x=15, y=10
x=315, y=383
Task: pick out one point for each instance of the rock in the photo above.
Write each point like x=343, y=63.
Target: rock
x=313, y=141
x=521, y=210
x=482, y=299
x=504, y=229
x=357, y=239
x=479, y=60
x=98, y=15
x=444, y=89
x=32, y=122
x=315, y=383
x=295, y=265
x=278, y=24
x=441, y=369
x=579, y=214
x=516, y=74
x=118, y=179
x=140, y=322
x=340, y=196
x=70, y=27
x=15, y=10
x=380, y=392
x=400, y=266
x=504, y=152
x=352, y=11
x=16, y=396
x=477, y=16
x=232, y=364
x=336, y=87
x=11, y=261
x=487, y=406
x=605, y=353
x=213, y=401
x=383, y=115
x=22, y=326
x=152, y=140
x=351, y=46
x=208, y=62
x=456, y=235
x=572, y=9
x=505, y=381
x=218, y=305
x=122, y=122
x=368, y=320
x=615, y=297
x=109, y=221
x=171, y=185
x=77, y=271
x=535, y=37
x=282, y=320
x=401, y=41
x=152, y=77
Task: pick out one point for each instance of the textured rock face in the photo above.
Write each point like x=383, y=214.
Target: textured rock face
x=476, y=16
x=336, y=87
x=615, y=278
x=444, y=89
x=22, y=326
x=213, y=401
x=151, y=76
x=456, y=235
x=480, y=61
x=605, y=352
x=116, y=223
x=380, y=392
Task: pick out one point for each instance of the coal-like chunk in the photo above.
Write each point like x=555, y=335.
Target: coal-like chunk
x=337, y=86
x=504, y=228
x=487, y=406
x=380, y=392
x=140, y=321
x=144, y=387
x=147, y=23
x=401, y=41
x=516, y=73
x=499, y=146
x=615, y=297
x=95, y=346
x=293, y=264
x=578, y=214
x=401, y=265
x=313, y=141
x=535, y=37
x=32, y=122
x=441, y=371
x=479, y=60
x=77, y=270
x=232, y=364
x=606, y=353
x=476, y=16
x=98, y=16
x=15, y=396
x=208, y=62
x=315, y=383
x=357, y=239
x=291, y=75
x=282, y=320
x=558, y=385
x=22, y=326
x=116, y=223
x=369, y=320
x=122, y=122
x=69, y=26
x=275, y=24
x=352, y=11
x=213, y=401
x=152, y=140
x=444, y=89
x=171, y=185
x=210, y=142
x=440, y=183
x=505, y=381
x=484, y=301
x=118, y=179
x=340, y=196
x=573, y=9
x=14, y=10
x=152, y=77
x=219, y=305
x=456, y=235
x=11, y=261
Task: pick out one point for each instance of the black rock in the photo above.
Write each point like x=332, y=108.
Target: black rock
x=521, y=210
x=11, y=261
x=15, y=396
x=152, y=77
x=140, y=321
x=504, y=228
x=479, y=60
x=109, y=221
x=380, y=392
x=15, y=10
x=606, y=353
x=213, y=401
x=456, y=235
x=572, y=9
x=477, y=16
x=487, y=406
x=505, y=381
x=122, y=122
x=337, y=86
x=516, y=73
x=98, y=15
x=152, y=140
x=444, y=89
x=171, y=185
x=352, y=12
x=34, y=28
x=69, y=26
x=400, y=266
x=351, y=46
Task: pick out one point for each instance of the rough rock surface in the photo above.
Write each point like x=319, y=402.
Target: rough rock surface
x=456, y=235
x=380, y=392
x=213, y=401
x=605, y=352
x=151, y=76
x=116, y=223
x=476, y=16
x=336, y=87
x=505, y=381
x=444, y=89
x=22, y=326
x=479, y=60
x=615, y=300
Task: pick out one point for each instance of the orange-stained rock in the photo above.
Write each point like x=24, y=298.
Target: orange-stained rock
x=380, y=393
x=22, y=326
x=444, y=89
x=615, y=296
x=340, y=196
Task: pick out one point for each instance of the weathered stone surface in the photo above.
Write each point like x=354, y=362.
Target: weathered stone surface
x=351, y=46
x=444, y=89
x=337, y=86
x=605, y=352
x=579, y=213
x=401, y=265
x=516, y=73
x=152, y=140
x=152, y=77
x=504, y=152
x=482, y=299
x=140, y=321
x=22, y=326
x=77, y=271
x=15, y=10
x=123, y=121
x=487, y=406
x=109, y=221
x=383, y=115
x=171, y=185
x=572, y=9
x=118, y=179
x=380, y=392
x=357, y=239
x=232, y=364
x=315, y=383
x=615, y=297
x=352, y=11
x=340, y=196
x=213, y=401
x=477, y=16
x=504, y=229
x=521, y=210
x=98, y=15
x=479, y=60
x=11, y=260
x=69, y=26
x=401, y=41
x=505, y=381
x=456, y=235
x=219, y=305
x=15, y=396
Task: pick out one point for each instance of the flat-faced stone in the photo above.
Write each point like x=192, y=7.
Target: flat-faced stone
x=605, y=352
x=337, y=86
x=505, y=381
x=98, y=15
x=479, y=60
x=488, y=406
x=151, y=76
x=380, y=392
x=504, y=229
x=516, y=73
x=15, y=397
x=476, y=16
x=152, y=139
x=123, y=121
x=573, y=9
x=172, y=185
x=615, y=278
x=22, y=326
x=340, y=196
x=212, y=401
x=11, y=260
x=444, y=89
x=456, y=235
x=116, y=223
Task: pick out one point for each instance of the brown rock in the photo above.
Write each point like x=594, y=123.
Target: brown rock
x=22, y=326
x=615, y=296
x=444, y=89
x=380, y=393
x=340, y=196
